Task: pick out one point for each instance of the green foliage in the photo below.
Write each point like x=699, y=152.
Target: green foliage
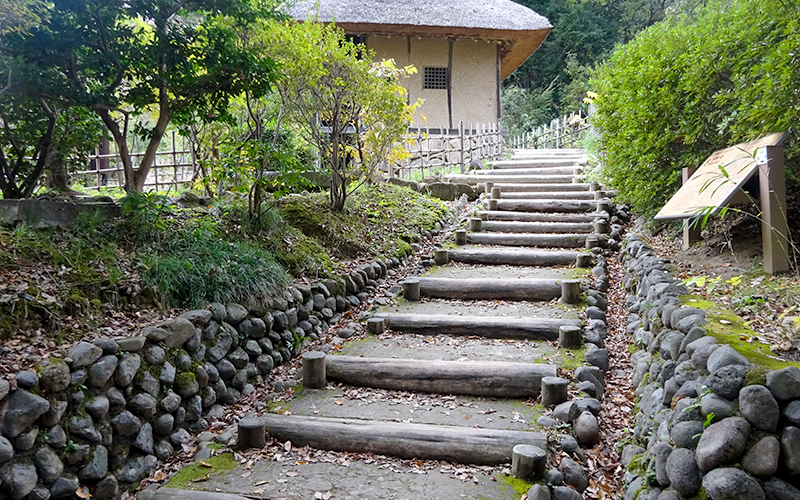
x=584, y=34
x=352, y=110
x=174, y=59
x=379, y=220
x=524, y=109
x=694, y=84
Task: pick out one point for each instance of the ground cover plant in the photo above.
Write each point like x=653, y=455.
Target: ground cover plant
x=159, y=256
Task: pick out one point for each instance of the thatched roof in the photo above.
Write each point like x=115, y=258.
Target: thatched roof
x=518, y=28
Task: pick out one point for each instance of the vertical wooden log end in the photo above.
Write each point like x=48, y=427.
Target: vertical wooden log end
x=314, y=370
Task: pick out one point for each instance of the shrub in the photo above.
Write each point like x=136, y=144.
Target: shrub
x=693, y=84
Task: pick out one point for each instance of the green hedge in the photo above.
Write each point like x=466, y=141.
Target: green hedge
x=727, y=73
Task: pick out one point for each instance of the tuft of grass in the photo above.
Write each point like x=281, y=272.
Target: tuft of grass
x=196, y=271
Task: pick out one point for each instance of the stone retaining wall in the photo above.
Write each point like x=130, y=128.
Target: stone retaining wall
x=712, y=425
x=102, y=414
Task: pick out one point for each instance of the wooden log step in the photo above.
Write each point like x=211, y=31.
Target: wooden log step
x=176, y=494
x=464, y=445
x=511, y=178
x=472, y=378
x=546, y=205
x=541, y=162
x=496, y=215
x=495, y=327
x=549, y=151
x=511, y=188
x=537, y=227
x=529, y=240
x=559, y=195
x=490, y=289
x=492, y=256
x=566, y=170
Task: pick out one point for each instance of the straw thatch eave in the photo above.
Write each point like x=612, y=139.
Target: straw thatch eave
x=518, y=29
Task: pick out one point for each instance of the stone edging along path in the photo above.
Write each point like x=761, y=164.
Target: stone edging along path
x=711, y=421
x=100, y=415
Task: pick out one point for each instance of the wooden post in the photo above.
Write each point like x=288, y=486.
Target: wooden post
x=604, y=205
x=484, y=216
x=461, y=140
x=569, y=337
x=601, y=226
x=594, y=186
x=495, y=192
x=461, y=237
x=528, y=462
x=592, y=241
x=314, y=370
x=583, y=260
x=691, y=227
x=554, y=391
x=174, y=163
x=774, y=224
x=376, y=326
x=487, y=187
x=411, y=289
x=493, y=204
x=441, y=256
x=475, y=225
x=252, y=433
x=571, y=291
x=599, y=195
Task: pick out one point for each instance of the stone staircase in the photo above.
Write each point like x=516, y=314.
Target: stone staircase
x=482, y=324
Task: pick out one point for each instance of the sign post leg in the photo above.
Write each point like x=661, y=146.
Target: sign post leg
x=774, y=225
x=691, y=227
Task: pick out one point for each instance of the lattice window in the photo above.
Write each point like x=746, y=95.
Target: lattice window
x=435, y=79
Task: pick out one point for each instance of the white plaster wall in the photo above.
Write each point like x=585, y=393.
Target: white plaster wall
x=474, y=77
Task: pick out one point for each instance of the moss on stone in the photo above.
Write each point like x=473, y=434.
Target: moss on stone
x=185, y=379
x=520, y=486
x=570, y=359
x=729, y=329
x=195, y=472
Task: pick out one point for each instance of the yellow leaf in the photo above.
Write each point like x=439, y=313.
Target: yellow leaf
x=83, y=492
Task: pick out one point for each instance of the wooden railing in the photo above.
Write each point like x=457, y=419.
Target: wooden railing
x=173, y=168
x=565, y=132
x=438, y=151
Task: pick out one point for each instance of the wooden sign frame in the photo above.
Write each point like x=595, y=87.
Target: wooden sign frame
x=719, y=180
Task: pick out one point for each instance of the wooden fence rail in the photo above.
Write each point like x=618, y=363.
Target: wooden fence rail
x=564, y=132
x=440, y=150
x=433, y=151
x=172, y=169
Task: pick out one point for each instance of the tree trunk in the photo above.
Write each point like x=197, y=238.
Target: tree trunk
x=485, y=326
x=45, y=143
x=149, y=158
x=121, y=140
